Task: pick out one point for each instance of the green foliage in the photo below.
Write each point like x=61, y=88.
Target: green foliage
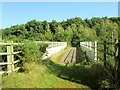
x=31, y=53
x=34, y=50
x=59, y=35
x=105, y=84
x=46, y=26
x=37, y=78
x=0, y=35
x=53, y=26
x=75, y=40
x=88, y=29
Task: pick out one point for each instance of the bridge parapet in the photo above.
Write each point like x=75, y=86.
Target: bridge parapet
x=90, y=49
x=53, y=47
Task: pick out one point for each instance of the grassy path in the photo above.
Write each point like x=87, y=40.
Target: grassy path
x=39, y=77
x=45, y=75
x=52, y=74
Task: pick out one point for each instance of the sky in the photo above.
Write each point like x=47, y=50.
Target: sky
x=60, y=0
x=21, y=12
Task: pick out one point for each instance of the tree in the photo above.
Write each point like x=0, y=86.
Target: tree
x=75, y=40
x=53, y=26
x=46, y=26
x=0, y=34
x=59, y=35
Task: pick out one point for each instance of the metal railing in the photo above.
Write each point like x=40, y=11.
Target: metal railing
x=90, y=48
x=52, y=44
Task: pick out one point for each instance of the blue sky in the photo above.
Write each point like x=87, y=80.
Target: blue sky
x=21, y=12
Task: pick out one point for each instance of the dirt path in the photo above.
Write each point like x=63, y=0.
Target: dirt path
x=69, y=57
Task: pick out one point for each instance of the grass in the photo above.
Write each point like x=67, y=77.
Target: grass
x=90, y=75
x=41, y=76
x=56, y=57
x=50, y=74
x=37, y=78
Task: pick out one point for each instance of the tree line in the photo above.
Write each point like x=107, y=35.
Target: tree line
x=72, y=30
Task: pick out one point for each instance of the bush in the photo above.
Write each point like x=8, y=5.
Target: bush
x=31, y=53
x=105, y=84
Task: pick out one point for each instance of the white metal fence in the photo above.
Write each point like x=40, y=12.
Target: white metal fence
x=52, y=44
x=90, y=48
x=53, y=47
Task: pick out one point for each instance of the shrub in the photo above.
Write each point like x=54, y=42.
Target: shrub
x=104, y=84
x=31, y=53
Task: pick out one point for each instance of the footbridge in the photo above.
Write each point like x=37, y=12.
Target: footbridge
x=89, y=48
x=53, y=47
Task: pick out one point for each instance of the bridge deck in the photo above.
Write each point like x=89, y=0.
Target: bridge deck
x=69, y=57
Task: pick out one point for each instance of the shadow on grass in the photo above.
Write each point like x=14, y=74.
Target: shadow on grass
x=82, y=74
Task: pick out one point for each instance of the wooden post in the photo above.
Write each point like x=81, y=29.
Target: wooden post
x=105, y=54
x=9, y=67
x=10, y=57
x=95, y=51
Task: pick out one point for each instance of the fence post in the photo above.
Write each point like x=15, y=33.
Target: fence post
x=10, y=57
x=9, y=66
x=105, y=54
x=95, y=51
